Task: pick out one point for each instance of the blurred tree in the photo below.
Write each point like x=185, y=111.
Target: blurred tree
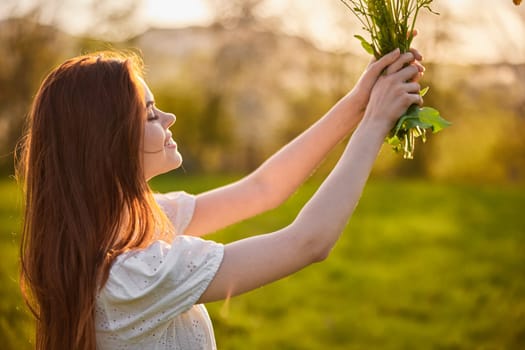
x=235, y=13
x=203, y=130
x=29, y=48
x=233, y=92
x=114, y=20
x=110, y=20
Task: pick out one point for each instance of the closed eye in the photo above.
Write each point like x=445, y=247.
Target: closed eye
x=151, y=112
x=152, y=117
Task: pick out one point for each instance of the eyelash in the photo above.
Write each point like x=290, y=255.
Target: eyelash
x=152, y=115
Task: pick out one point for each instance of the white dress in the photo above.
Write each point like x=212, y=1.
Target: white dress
x=149, y=299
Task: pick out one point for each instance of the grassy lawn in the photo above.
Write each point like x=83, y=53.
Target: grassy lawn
x=420, y=266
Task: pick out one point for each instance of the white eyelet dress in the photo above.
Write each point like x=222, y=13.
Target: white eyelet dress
x=148, y=301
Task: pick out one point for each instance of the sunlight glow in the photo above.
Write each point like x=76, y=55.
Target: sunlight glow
x=483, y=32
x=163, y=13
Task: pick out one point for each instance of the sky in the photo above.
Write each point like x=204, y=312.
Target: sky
x=484, y=31
x=165, y=13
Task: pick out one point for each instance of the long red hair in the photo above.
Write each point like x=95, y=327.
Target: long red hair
x=86, y=197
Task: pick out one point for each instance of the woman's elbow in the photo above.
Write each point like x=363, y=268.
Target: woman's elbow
x=321, y=254
x=317, y=248
x=267, y=196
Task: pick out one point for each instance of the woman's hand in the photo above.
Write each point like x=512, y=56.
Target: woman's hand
x=360, y=95
x=394, y=92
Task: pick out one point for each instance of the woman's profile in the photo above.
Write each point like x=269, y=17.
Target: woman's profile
x=108, y=264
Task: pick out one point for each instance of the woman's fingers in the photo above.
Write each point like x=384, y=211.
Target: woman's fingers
x=412, y=57
x=402, y=61
x=412, y=88
x=415, y=99
x=394, y=61
x=417, y=54
x=379, y=65
x=419, y=66
x=407, y=73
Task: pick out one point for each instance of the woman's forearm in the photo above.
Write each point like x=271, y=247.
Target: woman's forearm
x=252, y=262
x=286, y=170
x=325, y=215
x=277, y=178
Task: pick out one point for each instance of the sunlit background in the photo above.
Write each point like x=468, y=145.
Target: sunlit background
x=434, y=256
x=484, y=30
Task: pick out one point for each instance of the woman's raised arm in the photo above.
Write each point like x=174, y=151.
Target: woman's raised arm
x=280, y=176
x=255, y=261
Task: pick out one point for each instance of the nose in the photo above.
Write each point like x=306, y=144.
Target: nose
x=169, y=119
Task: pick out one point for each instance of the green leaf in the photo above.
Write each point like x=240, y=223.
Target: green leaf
x=424, y=91
x=412, y=122
x=412, y=112
x=393, y=141
x=365, y=44
x=431, y=116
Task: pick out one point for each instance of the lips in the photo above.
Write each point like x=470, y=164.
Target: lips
x=169, y=141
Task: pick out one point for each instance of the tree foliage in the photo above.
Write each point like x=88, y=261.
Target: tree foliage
x=240, y=92
x=29, y=49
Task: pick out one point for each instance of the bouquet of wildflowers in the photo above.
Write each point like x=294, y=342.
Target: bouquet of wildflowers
x=390, y=24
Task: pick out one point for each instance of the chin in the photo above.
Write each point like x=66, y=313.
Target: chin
x=175, y=164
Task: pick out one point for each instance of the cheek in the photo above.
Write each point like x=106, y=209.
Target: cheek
x=153, y=138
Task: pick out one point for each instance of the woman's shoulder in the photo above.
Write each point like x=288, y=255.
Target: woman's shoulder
x=178, y=207
x=138, y=271
x=156, y=283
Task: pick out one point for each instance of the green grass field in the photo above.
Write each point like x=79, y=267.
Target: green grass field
x=420, y=266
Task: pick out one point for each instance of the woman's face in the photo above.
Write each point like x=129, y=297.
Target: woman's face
x=159, y=150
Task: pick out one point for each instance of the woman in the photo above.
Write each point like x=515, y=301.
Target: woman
x=108, y=265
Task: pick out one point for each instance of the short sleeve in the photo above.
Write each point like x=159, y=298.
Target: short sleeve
x=149, y=287
x=178, y=207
